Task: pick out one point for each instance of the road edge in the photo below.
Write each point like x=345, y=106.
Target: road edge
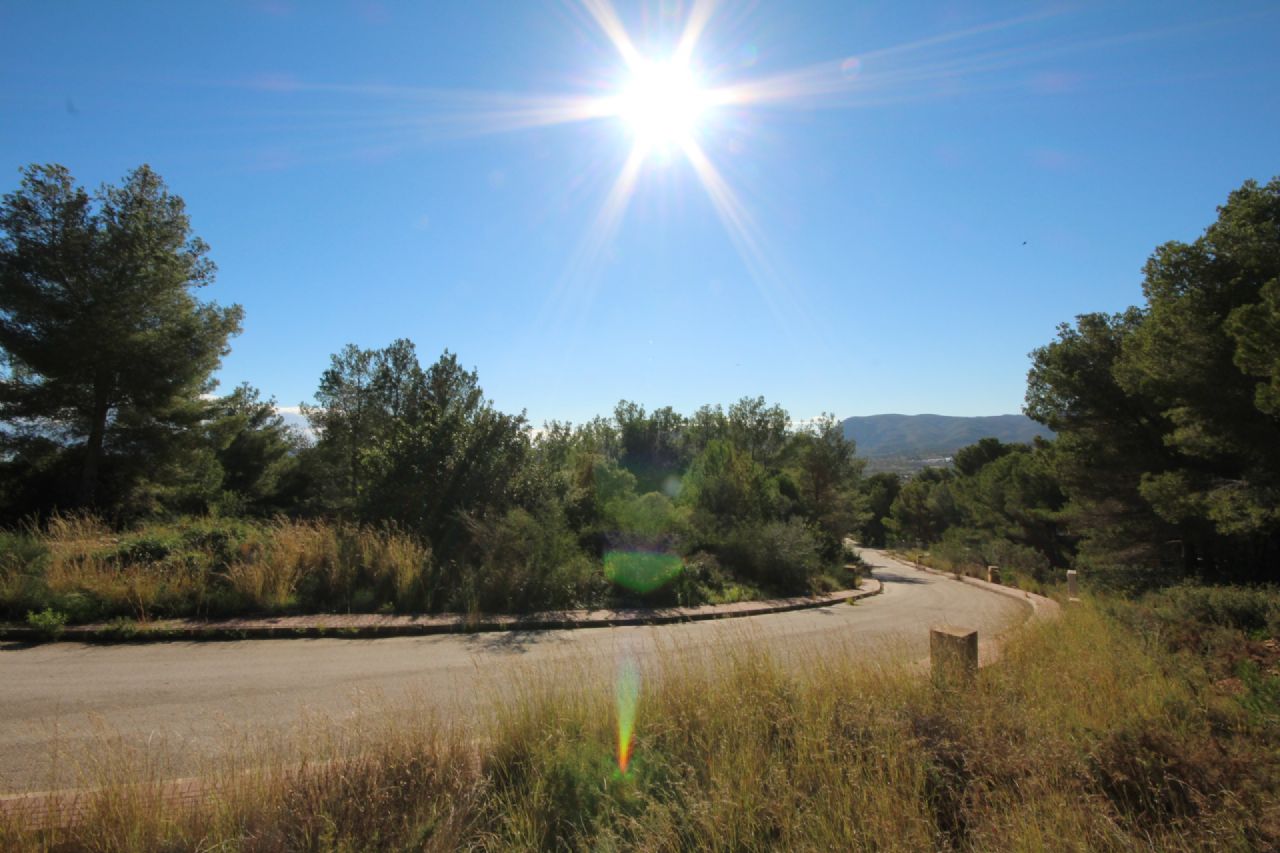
x=368, y=625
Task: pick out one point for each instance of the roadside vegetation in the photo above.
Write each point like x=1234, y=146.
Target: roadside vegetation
x=1127, y=724
x=77, y=569
x=411, y=491
x=129, y=491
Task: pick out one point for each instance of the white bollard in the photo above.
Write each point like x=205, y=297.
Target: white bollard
x=1073, y=588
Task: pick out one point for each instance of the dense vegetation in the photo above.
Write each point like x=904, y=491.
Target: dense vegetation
x=414, y=492
x=1167, y=457
x=1165, y=462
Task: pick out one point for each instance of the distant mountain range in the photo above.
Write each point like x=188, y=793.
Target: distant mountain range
x=925, y=436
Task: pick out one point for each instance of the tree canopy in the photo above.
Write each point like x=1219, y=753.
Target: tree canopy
x=1169, y=432
x=106, y=347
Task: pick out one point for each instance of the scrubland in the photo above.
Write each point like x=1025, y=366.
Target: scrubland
x=76, y=569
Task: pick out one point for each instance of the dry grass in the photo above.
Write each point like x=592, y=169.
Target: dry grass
x=1087, y=736
x=210, y=567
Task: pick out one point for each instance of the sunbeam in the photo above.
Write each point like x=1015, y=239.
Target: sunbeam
x=699, y=15
x=742, y=231
x=673, y=105
x=574, y=291
x=606, y=17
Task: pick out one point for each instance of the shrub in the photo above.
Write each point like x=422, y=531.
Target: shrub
x=783, y=556
x=48, y=623
x=22, y=553
x=1251, y=610
x=522, y=562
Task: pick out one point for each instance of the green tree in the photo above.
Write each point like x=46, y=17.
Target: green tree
x=256, y=450
x=727, y=488
x=1168, y=435
x=828, y=473
x=969, y=460
x=1201, y=353
x=1015, y=497
x=650, y=443
x=346, y=419
x=759, y=430
x=105, y=345
x=881, y=489
x=924, y=508
x=423, y=448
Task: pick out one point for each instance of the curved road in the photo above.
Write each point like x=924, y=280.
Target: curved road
x=63, y=698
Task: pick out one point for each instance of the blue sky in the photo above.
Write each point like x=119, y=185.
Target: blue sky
x=929, y=189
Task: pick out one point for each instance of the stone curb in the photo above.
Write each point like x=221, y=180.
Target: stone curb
x=1041, y=607
x=363, y=626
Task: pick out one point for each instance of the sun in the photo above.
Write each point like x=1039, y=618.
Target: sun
x=663, y=103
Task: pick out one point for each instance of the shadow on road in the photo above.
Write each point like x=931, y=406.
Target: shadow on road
x=515, y=642
x=889, y=576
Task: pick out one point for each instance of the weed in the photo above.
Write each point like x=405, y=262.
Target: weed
x=1088, y=734
x=48, y=623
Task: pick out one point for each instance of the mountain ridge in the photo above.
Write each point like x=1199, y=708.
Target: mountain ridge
x=919, y=436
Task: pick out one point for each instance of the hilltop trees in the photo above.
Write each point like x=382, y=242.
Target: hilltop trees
x=418, y=447
x=106, y=348
x=1169, y=429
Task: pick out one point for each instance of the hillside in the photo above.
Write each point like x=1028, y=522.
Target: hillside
x=923, y=436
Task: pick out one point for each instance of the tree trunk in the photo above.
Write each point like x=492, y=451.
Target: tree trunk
x=93, y=448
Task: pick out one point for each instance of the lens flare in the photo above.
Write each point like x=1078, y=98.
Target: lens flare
x=641, y=571
x=628, y=696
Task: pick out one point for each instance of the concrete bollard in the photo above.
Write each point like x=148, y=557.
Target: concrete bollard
x=953, y=653
x=993, y=574
x=1073, y=588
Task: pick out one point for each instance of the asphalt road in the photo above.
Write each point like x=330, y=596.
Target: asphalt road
x=61, y=704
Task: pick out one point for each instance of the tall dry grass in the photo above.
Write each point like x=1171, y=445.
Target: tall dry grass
x=211, y=567
x=1088, y=735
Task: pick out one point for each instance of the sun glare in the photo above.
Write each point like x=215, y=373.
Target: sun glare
x=662, y=103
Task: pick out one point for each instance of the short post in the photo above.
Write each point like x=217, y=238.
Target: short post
x=993, y=574
x=919, y=560
x=953, y=653
x=1073, y=588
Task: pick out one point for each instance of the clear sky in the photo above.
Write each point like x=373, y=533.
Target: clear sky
x=855, y=207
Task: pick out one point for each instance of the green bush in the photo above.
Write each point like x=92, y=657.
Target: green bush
x=22, y=553
x=48, y=623
x=519, y=562
x=1253, y=610
x=782, y=556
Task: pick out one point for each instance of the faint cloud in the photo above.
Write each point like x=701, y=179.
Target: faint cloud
x=373, y=12
x=1053, y=159
x=1055, y=83
x=293, y=418
x=275, y=8
x=422, y=223
x=275, y=82
x=948, y=155
x=805, y=424
x=274, y=159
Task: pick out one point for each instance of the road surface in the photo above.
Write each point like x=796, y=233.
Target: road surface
x=60, y=703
